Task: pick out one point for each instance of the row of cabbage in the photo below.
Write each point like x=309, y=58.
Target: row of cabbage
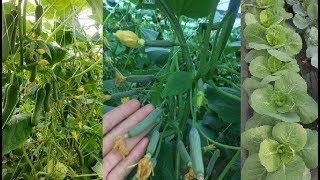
x=279, y=146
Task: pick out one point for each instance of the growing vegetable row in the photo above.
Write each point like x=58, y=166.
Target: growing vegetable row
x=279, y=146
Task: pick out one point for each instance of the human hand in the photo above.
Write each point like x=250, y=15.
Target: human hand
x=117, y=122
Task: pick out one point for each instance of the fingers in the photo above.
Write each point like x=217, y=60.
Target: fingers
x=112, y=159
x=124, y=127
x=118, y=114
x=122, y=169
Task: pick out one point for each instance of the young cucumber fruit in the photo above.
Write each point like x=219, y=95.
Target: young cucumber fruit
x=196, y=154
x=41, y=93
x=38, y=17
x=212, y=161
x=120, y=95
x=46, y=103
x=184, y=153
x=160, y=43
x=140, y=78
x=148, y=121
x=153, y=142
x=11, y=99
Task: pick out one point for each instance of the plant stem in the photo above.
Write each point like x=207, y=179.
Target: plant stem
x=24, y=29
x=217, y=143
x=27, y=159
x=212, y=84
x=177, y=154
x=20, y=32
x=227, y=81
x=177, y=28
x=228, y=69
x=204, y=51
x=226, y=169
x=88, y=69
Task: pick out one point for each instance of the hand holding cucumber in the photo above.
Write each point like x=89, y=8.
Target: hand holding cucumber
x=117, y=123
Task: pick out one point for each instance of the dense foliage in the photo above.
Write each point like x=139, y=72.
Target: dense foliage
x=51, y=66
x=279, y=147
x=187, y=63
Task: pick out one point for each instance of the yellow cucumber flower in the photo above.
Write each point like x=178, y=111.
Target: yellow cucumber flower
x=144, y=168
x=190, y=175
x=80, y=89
x=120, y=79
x=41, y=51
x=125, y=99
x=128, y=38
x=75, y=135
x=120, y=145
x=43, y=62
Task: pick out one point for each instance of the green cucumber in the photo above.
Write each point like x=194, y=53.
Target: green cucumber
x=46, y=102
x=41, y=93
x=11, y=100
x=120, y=95
x=196, y=154
x=38, y=17
x=140, y=78
x=7, y=28
x=33, y=73
x=212, y=161
x=55, y=92
x=153, y=142
x=160, y=43
x=80, y=155
x=14, y=32
x=148, y=121
x=184, y=153
x=65, y=115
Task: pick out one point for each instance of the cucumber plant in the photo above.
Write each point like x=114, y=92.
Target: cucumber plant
x=161, y=53
x=274, y=136
x=51, y=75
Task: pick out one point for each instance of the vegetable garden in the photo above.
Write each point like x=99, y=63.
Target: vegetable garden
x=281, y=134
x=51, y=89
x=187, y=64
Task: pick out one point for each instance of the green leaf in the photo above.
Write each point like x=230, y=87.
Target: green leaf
x=308, y=110
x=293, y=170
x=269, y=157
x=56, y=169
x=312, y=11
x=293, y=43
x=300, y=21
x=97, y=10
x=255, y=33
x=292, y=134
x=280, y=55
x=97, y=168
x=292, y=83
x=223, y=105
x=276, y=35
x=252, y=169
x=258, y=67
x=255, y=53
x=190, y=8
x=309, y=153
x=258, y=120
x=165, y=166
x=250, y=19
x=177, y=83
x=148, y=34
x=16, y=132
x=251, y=139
